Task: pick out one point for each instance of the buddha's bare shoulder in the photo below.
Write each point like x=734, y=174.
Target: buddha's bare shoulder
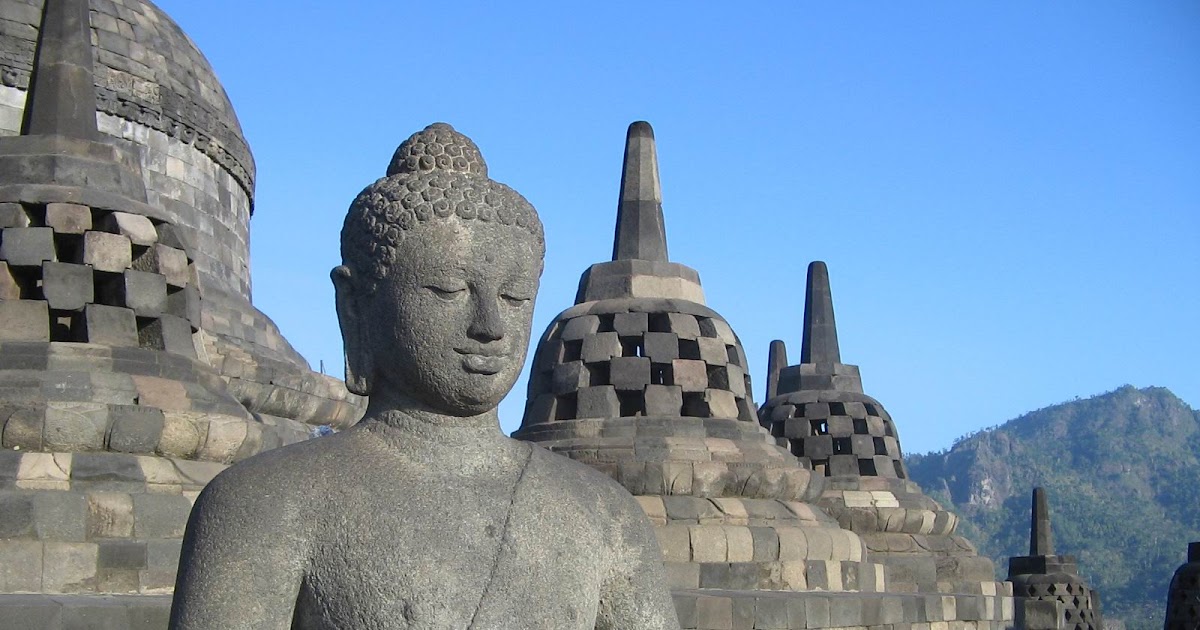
x=280, y=477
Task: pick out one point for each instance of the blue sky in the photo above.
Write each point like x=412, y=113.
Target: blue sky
x=1007, y=194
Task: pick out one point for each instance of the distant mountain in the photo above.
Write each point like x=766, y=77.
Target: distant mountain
x=1123, y=474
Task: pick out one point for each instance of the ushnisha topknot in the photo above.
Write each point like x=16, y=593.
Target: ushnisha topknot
x=435, y=174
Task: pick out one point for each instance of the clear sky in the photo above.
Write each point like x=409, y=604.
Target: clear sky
x=1007, y=193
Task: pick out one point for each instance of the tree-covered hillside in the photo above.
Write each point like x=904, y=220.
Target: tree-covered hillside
x=1123, y=474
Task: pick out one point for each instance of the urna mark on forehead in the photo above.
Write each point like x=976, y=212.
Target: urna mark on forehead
x=436, y=176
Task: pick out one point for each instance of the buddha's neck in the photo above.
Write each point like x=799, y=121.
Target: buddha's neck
x=409, y=420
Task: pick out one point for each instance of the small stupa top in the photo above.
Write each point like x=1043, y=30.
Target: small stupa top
x=59, y=143
x=1041, y=559
x=821, y=364
x=819, y=405
x=147, y=71
x=640, y=266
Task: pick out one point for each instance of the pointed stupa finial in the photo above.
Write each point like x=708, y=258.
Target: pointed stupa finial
x=1041, y=539
x=776, y=361
x=641, y=233
x=820, y=332
x=62, y=91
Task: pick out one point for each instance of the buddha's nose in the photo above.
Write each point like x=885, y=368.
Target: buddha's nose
x=486, y=325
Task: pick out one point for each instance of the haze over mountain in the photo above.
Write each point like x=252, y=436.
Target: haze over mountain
x=1123, y=474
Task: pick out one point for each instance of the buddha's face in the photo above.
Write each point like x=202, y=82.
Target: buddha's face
x=450, y=323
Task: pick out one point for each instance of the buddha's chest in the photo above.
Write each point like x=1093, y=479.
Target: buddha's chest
x=441, y=558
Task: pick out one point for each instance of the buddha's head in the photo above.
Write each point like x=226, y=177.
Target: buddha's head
x=440, y=267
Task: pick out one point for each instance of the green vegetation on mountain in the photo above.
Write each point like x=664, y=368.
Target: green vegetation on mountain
x=1122, y=471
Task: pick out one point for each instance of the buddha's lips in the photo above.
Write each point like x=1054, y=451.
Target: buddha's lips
x=483, y=363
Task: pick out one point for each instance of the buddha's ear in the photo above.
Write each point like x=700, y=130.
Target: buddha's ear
x=350, y=299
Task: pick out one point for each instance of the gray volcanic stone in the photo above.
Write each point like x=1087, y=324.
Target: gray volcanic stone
x=425, y=514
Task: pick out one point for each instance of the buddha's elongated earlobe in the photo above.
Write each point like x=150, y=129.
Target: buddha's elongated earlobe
x=355, y=332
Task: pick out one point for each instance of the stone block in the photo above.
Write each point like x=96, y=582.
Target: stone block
x=708, y=543
x=107, y=252
x=712, y=351
x=598, y=402
x=13, y=215
x=122, y=554
x=580, y=327
x=20, y=565
x=170, y=262
x=144, y=292
x=772, y=613
x=137, y=228
x=160, y=515
x=569, y=377
x=67, y=286
x=663, y=400
x=135, y=429
x=816, y=612
x=793, y=544
x=685, y=608
x=766, y=544
x=675, y=542
x=721, y=403
x=60, y=516
x=27, y=247
x=661, y=347
x=714, y=613
x=24, y=320
x=110, y=325
x=630, y=373
x=601, y=347
x=169, y=333
x=739, y=543
x=10, y=289
x=69, y=567
x=690, y=375
x=630, y=324
x=684, y=326
x=68, y=218
x=17, y=515
x=75, y=427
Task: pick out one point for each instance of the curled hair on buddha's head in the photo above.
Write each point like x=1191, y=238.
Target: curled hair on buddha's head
x=436, y=174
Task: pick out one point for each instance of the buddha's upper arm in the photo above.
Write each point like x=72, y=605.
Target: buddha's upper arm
x=242, y=561
x=635, y=593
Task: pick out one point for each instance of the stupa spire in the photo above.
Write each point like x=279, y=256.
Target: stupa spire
x=62, y=92
x=776, y=361
x=641, y=233
x=1041, y=538
x=820, y=343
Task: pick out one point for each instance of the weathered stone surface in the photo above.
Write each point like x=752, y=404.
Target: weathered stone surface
x=24, y=320
x=27, y=247
x=68, y=218
x=457, y=563
x=67, y=286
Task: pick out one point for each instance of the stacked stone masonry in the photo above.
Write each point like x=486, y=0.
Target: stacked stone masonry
x=94, y=522
x=95, y=275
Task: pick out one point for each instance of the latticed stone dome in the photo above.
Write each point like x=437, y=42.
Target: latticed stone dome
x=837, y=433
x=623, y=358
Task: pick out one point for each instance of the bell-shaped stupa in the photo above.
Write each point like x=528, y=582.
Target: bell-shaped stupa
x=1049, y=594
x=1183, y=596
x=643, y=381
x=819, y=408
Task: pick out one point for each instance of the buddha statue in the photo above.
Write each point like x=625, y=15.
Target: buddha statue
x=425, y=515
